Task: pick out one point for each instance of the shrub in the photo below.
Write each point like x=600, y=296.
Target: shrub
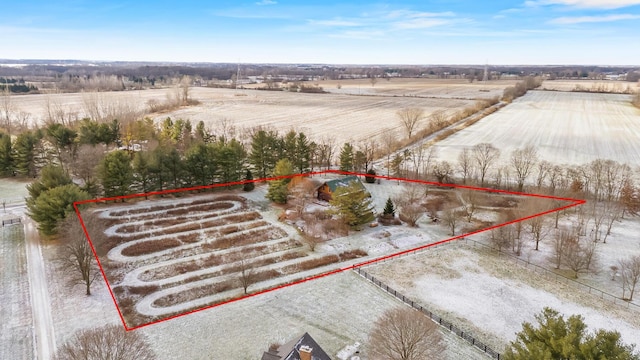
x=370, y=179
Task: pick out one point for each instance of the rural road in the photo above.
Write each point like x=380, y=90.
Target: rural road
x=45, y=346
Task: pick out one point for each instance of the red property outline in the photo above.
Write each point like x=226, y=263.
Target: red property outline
x=573, y=202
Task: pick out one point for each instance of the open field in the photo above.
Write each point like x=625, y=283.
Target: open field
x=491, y=296
x=341, y=117
x=16, y=338
x=569, y=128
x=436, y=88
x=13, y=190
x=608, y=86
x=76, y=105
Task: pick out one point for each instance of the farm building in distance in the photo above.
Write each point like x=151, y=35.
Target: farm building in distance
x=302, y=348
x=326, y=190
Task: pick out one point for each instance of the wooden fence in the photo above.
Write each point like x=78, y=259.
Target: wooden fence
x=439, y=320
x=11, y=221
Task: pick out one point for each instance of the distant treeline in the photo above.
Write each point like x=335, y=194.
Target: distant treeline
x=16, y=85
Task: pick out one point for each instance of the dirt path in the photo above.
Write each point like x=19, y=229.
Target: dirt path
x=41, y=304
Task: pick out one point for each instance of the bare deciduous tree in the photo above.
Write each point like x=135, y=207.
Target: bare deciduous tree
x=561, y=239
x=405, y=334
x=389, y=141
x=450, y=218
x=579, y=255
x=470, y=199
x=629, y=198
x=484, y=155
x=442, y=170
x=438, y=120
x=409, y=203
x=630, y=273
x=543, y=171
x=110, y=342
x=326, y=149
x=248, y=275
x=465, y=163
x=409, y=117
x=523, y=161
x=538, y=226
x=301, y=195
x=7, y=109
x=75, y=255
x=502, y=237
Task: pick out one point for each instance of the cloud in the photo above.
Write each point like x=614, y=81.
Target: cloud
x=593, y=19
x=334, y=23
x=421, y=23
x=417, y=14
x=595, y=4
x=266, y=2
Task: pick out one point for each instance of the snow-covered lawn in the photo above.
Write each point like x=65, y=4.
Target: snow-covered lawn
x=566, y=128
x=13, y=191
x=491, y=296
x=16, y=338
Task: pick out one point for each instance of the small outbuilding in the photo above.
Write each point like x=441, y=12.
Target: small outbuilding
x=326, y=190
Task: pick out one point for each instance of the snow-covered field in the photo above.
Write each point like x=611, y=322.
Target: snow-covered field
x=591, y=85
x=436, y=88
x=491, y=296
x=16, y=338
x=341, y=117
x=566, y=128
x=337, y=311
x=13, y=191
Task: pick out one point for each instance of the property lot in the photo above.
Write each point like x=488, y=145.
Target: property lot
x=165, y=257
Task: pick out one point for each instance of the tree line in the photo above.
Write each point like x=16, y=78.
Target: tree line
x=107, y=159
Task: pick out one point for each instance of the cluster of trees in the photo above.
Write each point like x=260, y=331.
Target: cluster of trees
x=17, y=88
x=51, y=198
x=108, y=159
x=406, y=334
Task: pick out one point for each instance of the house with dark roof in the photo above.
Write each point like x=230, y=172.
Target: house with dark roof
x=326, y=190
x=302, y=348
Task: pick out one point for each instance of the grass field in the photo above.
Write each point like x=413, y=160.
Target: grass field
x=491, y=296
x=338, y=115
x=607, y=86
x=16, y=338
x=569, y=128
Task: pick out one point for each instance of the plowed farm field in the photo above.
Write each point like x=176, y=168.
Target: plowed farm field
x=337, y=116
x=566, y=128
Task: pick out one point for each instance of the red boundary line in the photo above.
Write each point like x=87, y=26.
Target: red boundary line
x=574, y=202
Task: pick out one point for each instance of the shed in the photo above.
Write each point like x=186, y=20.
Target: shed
x=326, y=190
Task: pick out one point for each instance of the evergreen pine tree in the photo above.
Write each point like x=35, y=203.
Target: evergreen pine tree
x=353, y=204
x=279, y=189
x=53, y=205
x=346, y=157
x=116, y=173
x=389, y=209
x=24, y=153
x=6, y=156
x=248, y=186
x=557, y=338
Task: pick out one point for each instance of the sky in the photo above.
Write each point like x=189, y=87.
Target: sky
x=524, y=32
